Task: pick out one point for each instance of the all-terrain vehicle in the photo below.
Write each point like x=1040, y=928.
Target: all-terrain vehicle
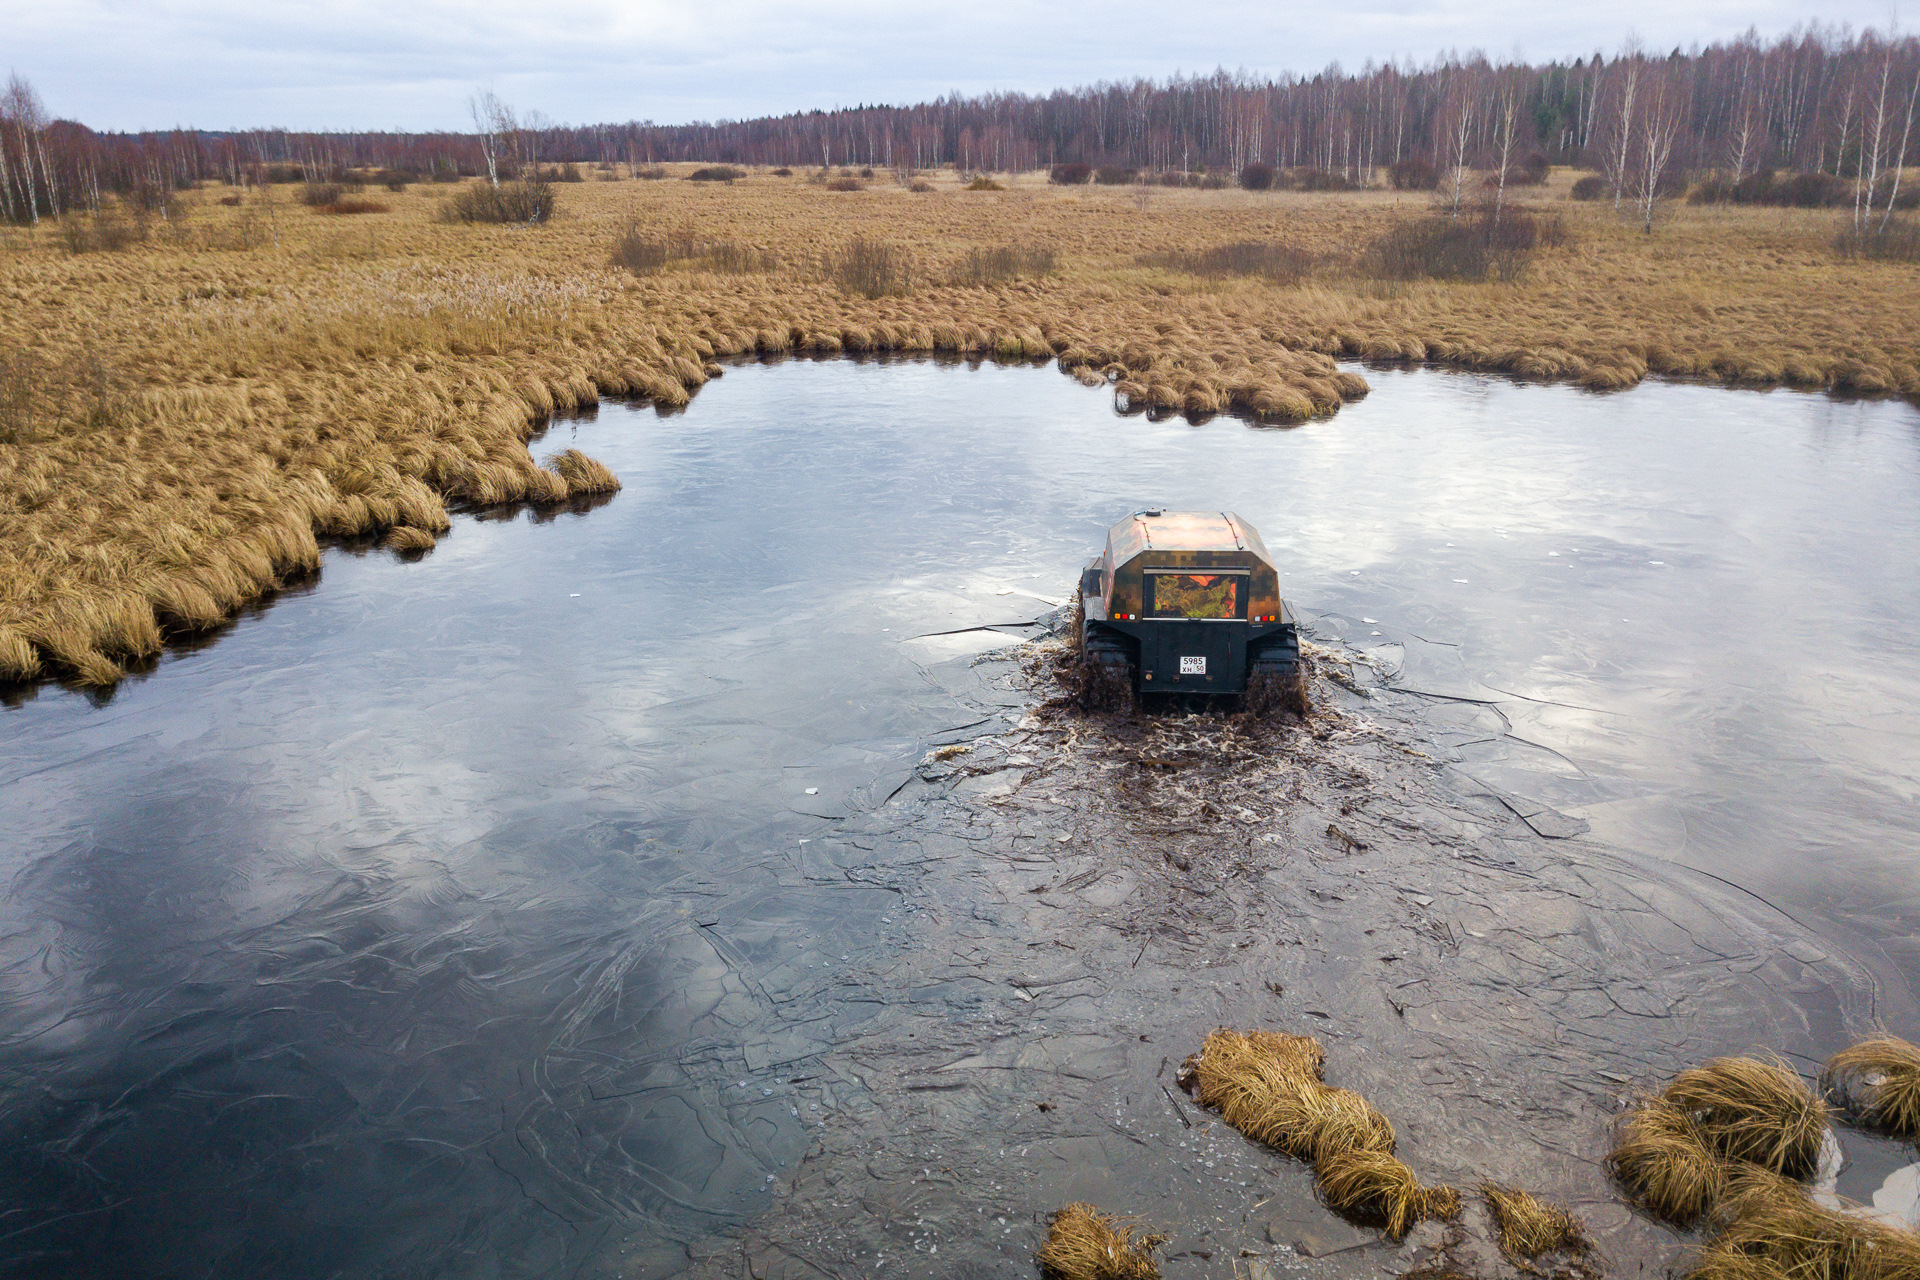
x=1188, y=602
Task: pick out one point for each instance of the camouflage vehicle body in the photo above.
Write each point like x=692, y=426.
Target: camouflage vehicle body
x=1187, y=602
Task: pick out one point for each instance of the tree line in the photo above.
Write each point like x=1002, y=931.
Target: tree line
x=1819, y=100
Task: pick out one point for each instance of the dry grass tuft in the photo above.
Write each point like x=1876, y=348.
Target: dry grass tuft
x=582, y=474
x=1773, y=1230
x=408, y=541
x=1730, y=1144
x=1269, y=1087
x=18, y=661
x=1663, y=1162
x=1373, y=1189
x=1756, y=1111
x=1529, y=1226
x=1085, y=1244
x=1878, y=1082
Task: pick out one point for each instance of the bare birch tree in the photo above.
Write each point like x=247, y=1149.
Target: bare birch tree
x=1746, y=129
x=1867, y=169
x=1624, y=121
x=1506, y=123
x=491, y=119
x=22, y=115
x=1660, y=121
x=1899, y=160
x=1458, y=132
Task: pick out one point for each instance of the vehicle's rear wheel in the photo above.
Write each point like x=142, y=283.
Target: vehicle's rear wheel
x=1277, y=684
x=1107, y=662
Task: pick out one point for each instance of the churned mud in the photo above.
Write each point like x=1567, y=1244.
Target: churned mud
x=1090, y=896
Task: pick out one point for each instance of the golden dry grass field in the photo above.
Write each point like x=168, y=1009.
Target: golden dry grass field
x=183, y=418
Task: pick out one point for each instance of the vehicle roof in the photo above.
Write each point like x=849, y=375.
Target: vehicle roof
x=1158, y=530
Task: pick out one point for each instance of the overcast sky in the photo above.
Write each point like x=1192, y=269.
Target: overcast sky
x=411, y=64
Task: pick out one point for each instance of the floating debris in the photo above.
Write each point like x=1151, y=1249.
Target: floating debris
x=1085, y=1244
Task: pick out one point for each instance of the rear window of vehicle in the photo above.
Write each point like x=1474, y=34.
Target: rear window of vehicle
x=1196, y=595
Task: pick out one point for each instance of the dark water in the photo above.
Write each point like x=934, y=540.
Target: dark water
x=468, y=917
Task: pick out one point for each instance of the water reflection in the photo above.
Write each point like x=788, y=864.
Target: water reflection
x=470, y=915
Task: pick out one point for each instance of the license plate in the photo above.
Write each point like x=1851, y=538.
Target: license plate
x=1193, y=666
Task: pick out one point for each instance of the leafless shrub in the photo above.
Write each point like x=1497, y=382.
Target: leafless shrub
x=1493, y=245
x=846, y=184
x=733, y=258
x=871, y=268
x=716, y=173
x=1414, y=174
x=247, y=229
x=1891, y=240
x=1269, y=260
x=644, y=253
x=37, y=398
x=21, y=394
x=316, y=194
x=344, y=207
x=652, y=173
x=1320, y=180
x=1002, y=263
x=920, y=186
x=523, y=202
x=1795, y=191
x=104, y=232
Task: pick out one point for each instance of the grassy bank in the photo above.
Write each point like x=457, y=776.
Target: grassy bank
x=186, y=408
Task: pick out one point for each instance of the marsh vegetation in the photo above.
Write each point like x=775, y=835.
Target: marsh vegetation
x=217, y=367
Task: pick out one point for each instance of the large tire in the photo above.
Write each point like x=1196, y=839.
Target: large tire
x=1107, y=664
x=1275, y=688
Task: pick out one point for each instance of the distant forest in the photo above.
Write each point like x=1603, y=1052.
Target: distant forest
x=1820, y=100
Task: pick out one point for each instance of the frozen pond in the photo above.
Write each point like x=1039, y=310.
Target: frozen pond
x=469, y=917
